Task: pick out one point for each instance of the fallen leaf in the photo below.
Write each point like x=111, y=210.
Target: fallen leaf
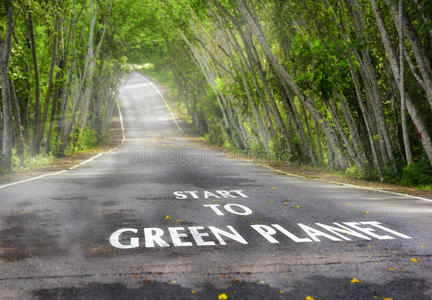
x=281, y=291
x=367, y=212
x=222, y=296
x=298, y=206
x=414, y=260
x=223, y=275
x=193, y=292
x=390, y=269
x=179, y=220
x=273, y=188
x=168, y=217
x=369, y=246
x=355, y=280
x=421, y=246
x=309, y=298
x=147, y=280
x=236, y=280
x=388, y=299
x=285, y=202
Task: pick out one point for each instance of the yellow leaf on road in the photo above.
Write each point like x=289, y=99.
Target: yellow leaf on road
x=414, y=260
x=355, y=280
x=309, y=298
x=222, y=296
x=168, y=217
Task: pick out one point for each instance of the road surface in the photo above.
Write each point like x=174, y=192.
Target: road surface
x=164, y=218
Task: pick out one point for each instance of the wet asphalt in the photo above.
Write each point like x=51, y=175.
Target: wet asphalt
x=55, y=231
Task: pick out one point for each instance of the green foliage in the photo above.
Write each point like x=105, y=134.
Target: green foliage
x=56, y=148
x=3, y=169
x=355, y=173
x=417, y=173
x=200, y=55
x=88, y=139
x=31, y=162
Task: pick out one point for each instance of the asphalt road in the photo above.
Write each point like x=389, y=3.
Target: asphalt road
x=58, y=241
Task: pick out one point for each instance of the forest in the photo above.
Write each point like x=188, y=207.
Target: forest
x=343, y=85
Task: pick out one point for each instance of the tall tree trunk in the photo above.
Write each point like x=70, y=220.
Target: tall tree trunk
x=423, y=60
x=19, y=131
x=287, y=81
x=405, y=135
x=6, y=97
x=391, y=54
x=37, y=108
x=356, y=81
x=80, y=92
x=353, y=130
x=50, y=81
x=371, y=80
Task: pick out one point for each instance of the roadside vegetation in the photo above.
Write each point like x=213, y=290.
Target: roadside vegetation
x=60, y=71
x=344, y=86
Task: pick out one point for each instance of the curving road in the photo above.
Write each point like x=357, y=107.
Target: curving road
x=164, y=218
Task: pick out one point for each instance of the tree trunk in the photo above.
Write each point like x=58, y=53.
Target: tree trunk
x=423, y=60
x=80, y=91
x=287, y=81
x=405, y=135
x=6, y=97
x=366, y=118
x=19, y=132
x=37, y=108
x=50, y=82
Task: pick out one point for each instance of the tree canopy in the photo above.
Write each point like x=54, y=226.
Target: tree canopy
x=345, y=85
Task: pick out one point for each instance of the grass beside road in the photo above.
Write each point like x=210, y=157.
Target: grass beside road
x=45, y=163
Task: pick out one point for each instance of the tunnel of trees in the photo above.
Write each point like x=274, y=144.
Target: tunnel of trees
x=344, y=85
